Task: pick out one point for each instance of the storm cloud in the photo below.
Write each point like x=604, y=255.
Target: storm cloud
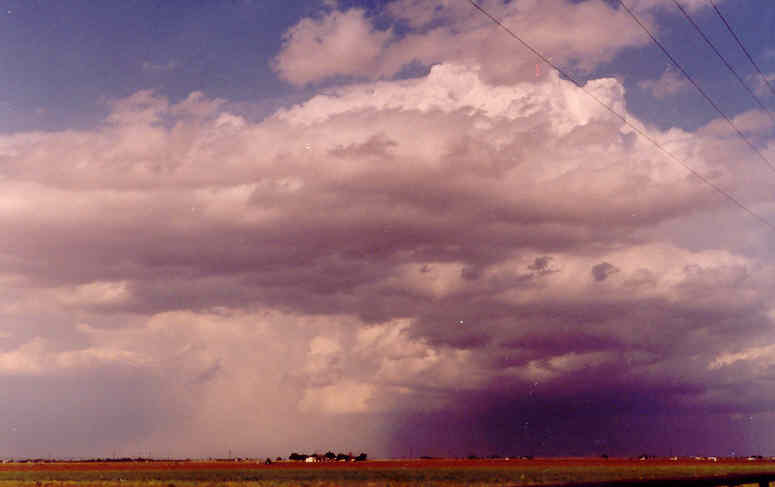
x=466, y=261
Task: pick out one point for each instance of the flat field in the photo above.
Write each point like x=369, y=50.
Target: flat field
x=395, y=473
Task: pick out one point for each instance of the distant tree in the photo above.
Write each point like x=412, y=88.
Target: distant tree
x=361, y=458
x=604, y=456
x=297, y=456
x=330, y=455
x=473, y=457
x=341, y=457
x=268, y=461
x=278, y=459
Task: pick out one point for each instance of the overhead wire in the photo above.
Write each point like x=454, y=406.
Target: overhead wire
x=621, y=117
x=724, y=60
x=697, y=86
x=742, y=46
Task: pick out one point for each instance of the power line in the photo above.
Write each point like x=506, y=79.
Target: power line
x=729, y=66
x=697, y=86
x=621, y=117
x=742, y=46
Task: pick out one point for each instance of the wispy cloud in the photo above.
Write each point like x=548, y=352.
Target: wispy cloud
x=669, y=84
x=760, y=83
x=156, y=67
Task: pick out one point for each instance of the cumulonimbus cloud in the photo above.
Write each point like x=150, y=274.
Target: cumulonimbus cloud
x=441, y=245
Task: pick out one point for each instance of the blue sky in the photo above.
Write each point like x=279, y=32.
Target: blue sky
x=266, y=227
x=61, y=60
x=65, y=58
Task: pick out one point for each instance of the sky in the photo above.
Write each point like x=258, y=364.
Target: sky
x=257, y=227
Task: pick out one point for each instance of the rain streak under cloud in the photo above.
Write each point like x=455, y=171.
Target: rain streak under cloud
x=413, y=240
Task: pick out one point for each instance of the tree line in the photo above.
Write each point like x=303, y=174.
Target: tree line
x=329, y=456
